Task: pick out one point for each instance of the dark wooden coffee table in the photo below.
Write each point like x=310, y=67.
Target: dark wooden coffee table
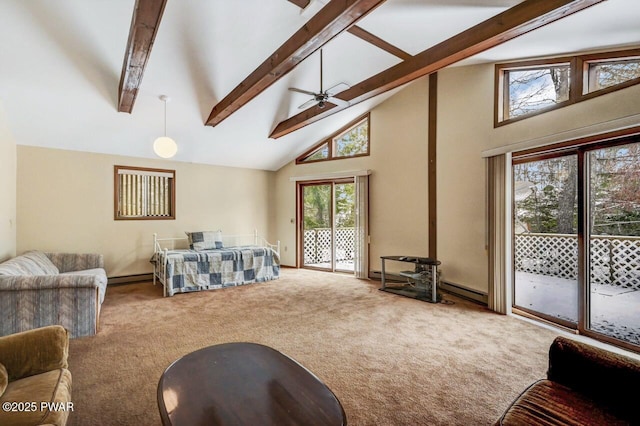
x=244, y=384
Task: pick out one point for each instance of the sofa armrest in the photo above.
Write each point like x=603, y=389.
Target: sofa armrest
x=35, y=351
x=600, y=374
x=72, y=301
x=69, y=262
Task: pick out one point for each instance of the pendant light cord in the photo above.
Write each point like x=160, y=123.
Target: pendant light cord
x=165, y=117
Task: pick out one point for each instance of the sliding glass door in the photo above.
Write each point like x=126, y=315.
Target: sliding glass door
x=546, y=238
x=327, y=221
x=614, y=243
x=317, y=219
x=576, y=239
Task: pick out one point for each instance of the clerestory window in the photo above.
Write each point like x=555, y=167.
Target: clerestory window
x=535, y=89
x=603, y=74
x=350, y=141
x=524, y=89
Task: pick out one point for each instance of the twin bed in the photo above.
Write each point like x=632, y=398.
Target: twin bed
x=209, y=260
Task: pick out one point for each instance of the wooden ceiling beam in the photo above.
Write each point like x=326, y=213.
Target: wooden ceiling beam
x=364, y=35
x=301, y=3
x=334, y=18
x=513, y=22
x=378, y=42
x=144, y=27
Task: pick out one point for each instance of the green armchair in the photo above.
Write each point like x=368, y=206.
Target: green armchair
x=35, y=383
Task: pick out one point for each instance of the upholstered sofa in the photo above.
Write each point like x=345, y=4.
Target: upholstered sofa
x=585, y=385
x=39, y=289
x=35, y=383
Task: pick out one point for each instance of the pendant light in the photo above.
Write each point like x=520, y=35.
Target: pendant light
x=164, y=146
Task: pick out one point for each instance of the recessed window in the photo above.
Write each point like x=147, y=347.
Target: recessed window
x=350, y=141
x=534, y=89
x=605, y=74
x=143, y=193
x=525, y=89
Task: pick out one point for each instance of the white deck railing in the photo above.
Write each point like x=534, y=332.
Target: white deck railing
x=614, y=260
x=317, y=245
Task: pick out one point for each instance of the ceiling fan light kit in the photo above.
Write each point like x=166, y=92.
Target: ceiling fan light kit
x=323, y=96
x=164, y=146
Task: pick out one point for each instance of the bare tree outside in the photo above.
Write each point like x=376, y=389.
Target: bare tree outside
x=615, y=188
x=607, y=74
x=552, y=205
x=531, y=90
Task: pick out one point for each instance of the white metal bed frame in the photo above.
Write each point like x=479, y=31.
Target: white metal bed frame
x=160, y=271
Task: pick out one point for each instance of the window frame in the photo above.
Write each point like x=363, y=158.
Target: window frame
x=585, y=61
x=503, y=81
x=330, y=142
x=116, y=192
x=578, y=81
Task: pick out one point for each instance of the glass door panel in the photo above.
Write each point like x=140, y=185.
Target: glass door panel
x=317, y=238
x=545, y=240
x=614, y=243
x=345, y=222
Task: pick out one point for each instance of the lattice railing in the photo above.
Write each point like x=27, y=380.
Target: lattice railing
x=317, y=245
x=615, y=260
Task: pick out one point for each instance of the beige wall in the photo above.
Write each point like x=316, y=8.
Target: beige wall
x=465, y=129
x=65, y=198
x=398, y=183
x=65, y=203
x=7, y=189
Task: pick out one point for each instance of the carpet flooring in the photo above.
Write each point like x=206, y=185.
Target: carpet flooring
x=389, y=359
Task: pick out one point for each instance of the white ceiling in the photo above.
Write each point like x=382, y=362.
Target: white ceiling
x=60, y=66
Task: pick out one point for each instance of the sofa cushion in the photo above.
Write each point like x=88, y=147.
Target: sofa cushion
x=4, y=379
x=29, y=263
x=98, y=272
x=52, y=387
x=550, y=403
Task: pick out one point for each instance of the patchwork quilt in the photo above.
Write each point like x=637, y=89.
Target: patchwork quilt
x=190, y=270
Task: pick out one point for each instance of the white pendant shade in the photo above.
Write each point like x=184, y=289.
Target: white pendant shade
x=165, y=147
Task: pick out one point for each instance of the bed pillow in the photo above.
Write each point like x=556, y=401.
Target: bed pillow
x=205, y=240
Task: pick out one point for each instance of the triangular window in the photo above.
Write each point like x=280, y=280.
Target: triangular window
x=350, y=141
x=320, y=153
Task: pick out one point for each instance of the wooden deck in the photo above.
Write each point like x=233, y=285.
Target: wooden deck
x=615, y=311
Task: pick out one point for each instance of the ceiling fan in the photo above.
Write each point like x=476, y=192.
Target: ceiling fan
x=323, y=96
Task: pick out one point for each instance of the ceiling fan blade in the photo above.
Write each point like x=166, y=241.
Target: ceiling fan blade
x=338, y=101
x=337, y=89
x=306, y=92
x=307, y=104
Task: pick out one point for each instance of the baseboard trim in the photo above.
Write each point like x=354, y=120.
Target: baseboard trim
x=129, y=279
x=465, y=292
x=449, y=287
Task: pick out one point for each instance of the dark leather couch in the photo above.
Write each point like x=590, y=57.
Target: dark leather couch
x=585, y=385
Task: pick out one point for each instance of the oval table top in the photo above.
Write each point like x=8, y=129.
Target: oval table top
x=244, y=384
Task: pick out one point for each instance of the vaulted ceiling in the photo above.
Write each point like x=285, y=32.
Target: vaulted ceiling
x=87, y=75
